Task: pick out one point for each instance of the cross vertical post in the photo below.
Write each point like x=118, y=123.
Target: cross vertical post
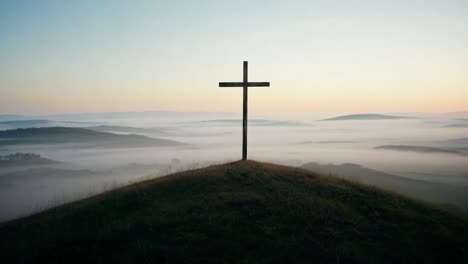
x=244, y=116
x=245, y=84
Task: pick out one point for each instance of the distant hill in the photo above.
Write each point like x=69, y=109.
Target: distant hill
x=242, y=212
x=10, y=117
x=430, y=191
x=328, y=142
x=24, y=159
x=26, y=123
x=81, y=136
x=125, y=129
x=458, y=125
x=365, y=117
x=35, y=123
x=421, y=149
x=254, y=122
x=459, y=140
x=151, y=115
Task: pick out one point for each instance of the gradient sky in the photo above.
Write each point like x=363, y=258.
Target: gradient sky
x=320, y=56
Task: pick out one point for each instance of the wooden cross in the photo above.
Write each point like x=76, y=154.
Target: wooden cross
x=244, y=84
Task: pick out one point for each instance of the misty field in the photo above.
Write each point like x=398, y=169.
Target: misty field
x=87, y=154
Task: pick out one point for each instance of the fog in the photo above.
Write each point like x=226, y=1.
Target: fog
x=212, y=138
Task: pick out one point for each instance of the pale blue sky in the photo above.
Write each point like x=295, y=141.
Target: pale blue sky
x=320, y=56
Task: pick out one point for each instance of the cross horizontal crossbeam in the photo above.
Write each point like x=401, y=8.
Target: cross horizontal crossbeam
x=241, y=84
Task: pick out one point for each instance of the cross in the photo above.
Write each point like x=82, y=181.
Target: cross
x=244, y=84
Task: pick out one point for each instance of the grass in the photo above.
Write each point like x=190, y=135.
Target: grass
x=241, y=212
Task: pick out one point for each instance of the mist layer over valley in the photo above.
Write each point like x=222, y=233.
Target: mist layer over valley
x=67, y=157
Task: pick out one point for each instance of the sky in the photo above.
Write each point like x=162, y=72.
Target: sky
x=320, y=57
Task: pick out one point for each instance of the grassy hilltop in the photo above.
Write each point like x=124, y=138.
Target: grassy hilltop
x=241, y=212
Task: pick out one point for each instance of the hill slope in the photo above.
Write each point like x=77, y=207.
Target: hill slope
x=443, y=194
x=365, y=117
x=242, y=212
x=81, y=136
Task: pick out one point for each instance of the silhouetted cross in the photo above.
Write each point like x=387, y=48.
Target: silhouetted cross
x=244, y=84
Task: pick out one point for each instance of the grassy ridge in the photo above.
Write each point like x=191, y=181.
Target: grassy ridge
x=242, y=212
